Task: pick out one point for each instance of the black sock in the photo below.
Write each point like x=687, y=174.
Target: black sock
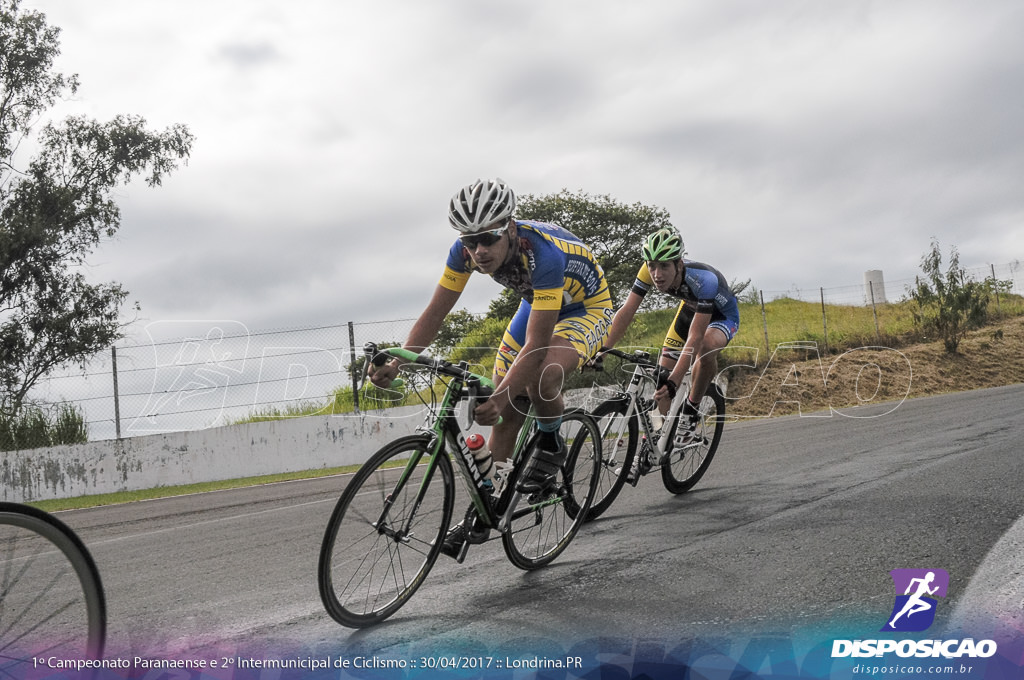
x=549, y=440
x=690, y=409
x=549, y=435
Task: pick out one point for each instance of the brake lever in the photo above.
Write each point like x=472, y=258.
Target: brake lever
x=369, y=352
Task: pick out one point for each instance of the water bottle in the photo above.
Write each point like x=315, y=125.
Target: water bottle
x=657, y=420
x=481, y=454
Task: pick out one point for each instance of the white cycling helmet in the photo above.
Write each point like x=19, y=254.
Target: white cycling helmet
x=480, y=205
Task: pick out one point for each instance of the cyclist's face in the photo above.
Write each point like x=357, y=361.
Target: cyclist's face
x=490, y=257
x=664, y=274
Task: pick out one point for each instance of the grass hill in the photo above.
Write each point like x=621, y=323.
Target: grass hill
x=788, y=351
x=992, y=356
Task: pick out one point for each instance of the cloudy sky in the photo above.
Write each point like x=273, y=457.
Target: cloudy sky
x=796, y=143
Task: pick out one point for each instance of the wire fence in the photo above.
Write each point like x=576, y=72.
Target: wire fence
x=196, y=375
x=881, y=291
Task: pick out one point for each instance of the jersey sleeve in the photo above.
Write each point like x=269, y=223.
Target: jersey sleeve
x=642, y=284
x=704, y=285
x=547, y=298
x=457, y=269
x=549, y=275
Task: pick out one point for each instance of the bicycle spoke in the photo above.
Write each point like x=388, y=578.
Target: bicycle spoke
x=543, y=529
x=687, y=464
x=51, y=599
x=379, y=543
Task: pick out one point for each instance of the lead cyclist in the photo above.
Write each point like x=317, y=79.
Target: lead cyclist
x=563, y=318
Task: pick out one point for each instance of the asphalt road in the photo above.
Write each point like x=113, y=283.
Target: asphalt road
x=795, y=528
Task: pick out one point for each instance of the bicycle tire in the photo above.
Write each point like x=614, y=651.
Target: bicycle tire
x=367, y=572
x=686, y=467
x=45, y=607
x=626, y=433
x=542, y=529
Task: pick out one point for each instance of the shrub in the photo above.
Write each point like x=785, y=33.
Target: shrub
x=35, y=427
x=948, y=303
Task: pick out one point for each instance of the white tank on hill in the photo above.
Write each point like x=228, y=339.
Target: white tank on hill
x=874, y=285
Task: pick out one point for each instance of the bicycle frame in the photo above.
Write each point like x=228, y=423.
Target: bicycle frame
x=446, y=437
x=645, y=370
x=385, y=535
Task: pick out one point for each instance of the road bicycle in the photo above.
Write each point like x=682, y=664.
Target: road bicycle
x=632, y=430
x=51, y=598
x=389, y=524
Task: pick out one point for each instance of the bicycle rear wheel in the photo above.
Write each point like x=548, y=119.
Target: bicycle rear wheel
x=51, y=597
x=543, y=526
x=619, y=437
x=385, y=533
x=688, y=464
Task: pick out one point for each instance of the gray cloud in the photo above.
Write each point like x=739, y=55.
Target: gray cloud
x=249, y=55
x=795, y=143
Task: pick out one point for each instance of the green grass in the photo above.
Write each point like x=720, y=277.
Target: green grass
x=203, y=487
x=789, y=320
x=340, y=402
x=35, y=427
x=183, y=489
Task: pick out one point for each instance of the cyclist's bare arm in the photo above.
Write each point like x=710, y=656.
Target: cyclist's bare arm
x=692, y=348
x=422, y=334
x=623, y=317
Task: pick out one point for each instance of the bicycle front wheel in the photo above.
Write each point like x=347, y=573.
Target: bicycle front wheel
x=619, y=437
x=385, y=533
x=51, y=597
x=687, y=464
x=543, y=525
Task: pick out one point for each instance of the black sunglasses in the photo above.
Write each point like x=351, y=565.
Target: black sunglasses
x=484, y=238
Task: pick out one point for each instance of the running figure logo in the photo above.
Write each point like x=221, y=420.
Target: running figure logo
x=915, y=605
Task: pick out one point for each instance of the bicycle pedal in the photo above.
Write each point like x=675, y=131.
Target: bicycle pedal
x=456, y=551
x=461, y=555
x=552, y=491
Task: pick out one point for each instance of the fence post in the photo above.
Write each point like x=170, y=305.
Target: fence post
x=117, y=398
x=764, y=322
x=824, y=319
x=995, y=287
x=878, y=335
x=352, y=356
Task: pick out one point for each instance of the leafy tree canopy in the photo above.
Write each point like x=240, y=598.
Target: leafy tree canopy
x=612, y=229
x=57, y=206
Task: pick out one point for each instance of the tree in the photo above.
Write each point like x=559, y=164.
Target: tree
x=456, y=326
x=612, y=230
x=948, y=303
x=58, y=207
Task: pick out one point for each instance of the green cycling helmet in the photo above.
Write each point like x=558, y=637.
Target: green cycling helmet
x=664, y=245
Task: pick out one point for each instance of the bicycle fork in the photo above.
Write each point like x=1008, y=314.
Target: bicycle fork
x=403, y=534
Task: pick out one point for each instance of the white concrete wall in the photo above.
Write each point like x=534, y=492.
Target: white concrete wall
x=214, y=454
x=274, y=447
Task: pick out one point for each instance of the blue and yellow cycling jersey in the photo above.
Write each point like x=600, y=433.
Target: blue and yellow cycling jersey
x=549, y=267
x=703, y=290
